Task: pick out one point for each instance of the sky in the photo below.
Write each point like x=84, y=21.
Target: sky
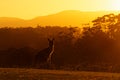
x=28, y=9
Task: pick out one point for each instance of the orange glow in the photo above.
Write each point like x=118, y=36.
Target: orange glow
x=28, y=9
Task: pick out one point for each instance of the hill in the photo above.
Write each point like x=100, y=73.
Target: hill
x=64, y=18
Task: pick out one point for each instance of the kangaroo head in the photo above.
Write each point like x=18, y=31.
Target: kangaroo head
x=51, y=42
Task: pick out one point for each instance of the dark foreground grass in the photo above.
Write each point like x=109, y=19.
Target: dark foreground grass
x=39, y=74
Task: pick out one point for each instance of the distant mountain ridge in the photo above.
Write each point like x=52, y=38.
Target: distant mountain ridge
x=64, y=18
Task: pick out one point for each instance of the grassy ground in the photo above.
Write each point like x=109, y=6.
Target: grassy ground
x=38, y=74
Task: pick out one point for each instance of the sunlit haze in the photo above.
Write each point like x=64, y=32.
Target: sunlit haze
x=28, y=9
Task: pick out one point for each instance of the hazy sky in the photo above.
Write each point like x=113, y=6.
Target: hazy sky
x=28, y=9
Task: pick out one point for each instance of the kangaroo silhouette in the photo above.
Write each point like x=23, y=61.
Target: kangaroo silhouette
x=45, y=55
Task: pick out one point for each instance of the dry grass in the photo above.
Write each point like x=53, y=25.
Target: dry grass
x=38, y=74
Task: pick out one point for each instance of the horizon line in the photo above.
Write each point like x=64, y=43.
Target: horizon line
x=114, y=11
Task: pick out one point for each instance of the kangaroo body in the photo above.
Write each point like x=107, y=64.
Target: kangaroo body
x=45, y=55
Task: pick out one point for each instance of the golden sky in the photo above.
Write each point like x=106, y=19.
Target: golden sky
x=28, y=9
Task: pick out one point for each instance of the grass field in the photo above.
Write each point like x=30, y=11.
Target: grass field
x=40, y=74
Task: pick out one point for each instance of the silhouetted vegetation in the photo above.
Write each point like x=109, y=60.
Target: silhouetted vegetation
x=95, y=48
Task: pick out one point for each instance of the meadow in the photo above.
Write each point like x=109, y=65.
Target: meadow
x=42, y=74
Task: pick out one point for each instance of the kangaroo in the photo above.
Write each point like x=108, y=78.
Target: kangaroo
x=45, y=55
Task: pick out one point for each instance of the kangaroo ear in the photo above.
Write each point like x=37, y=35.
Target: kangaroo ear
x=48, y=39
